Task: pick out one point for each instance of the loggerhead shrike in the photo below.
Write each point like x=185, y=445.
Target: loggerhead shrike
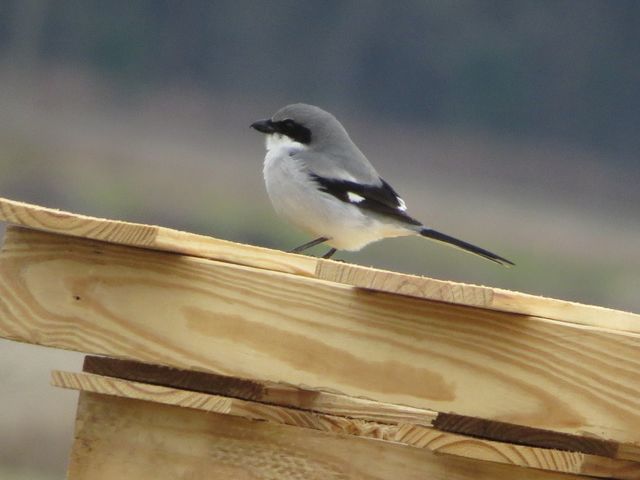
x=320, y=181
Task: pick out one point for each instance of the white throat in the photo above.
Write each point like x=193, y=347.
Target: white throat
x=276, y=141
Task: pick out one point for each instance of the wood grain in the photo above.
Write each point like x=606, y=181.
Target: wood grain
x=166, y=239
x=89, y=382
x=265, y=392
x=268, y=326
x=477, y=296
x=152, y=237
x=131, y=439
x=422, y=437
x=342, y=405
x=179, y=378
x=517, y=434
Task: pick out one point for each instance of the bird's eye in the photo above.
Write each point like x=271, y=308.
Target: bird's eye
x=288, y=126
x=294, y=130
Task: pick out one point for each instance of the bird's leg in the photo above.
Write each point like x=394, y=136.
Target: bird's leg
x=310, y=244
x=330, y=253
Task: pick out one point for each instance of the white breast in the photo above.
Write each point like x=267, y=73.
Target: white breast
x=297, y=199
x=281, y=144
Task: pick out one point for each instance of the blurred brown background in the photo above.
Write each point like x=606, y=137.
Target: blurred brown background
x=511, y=124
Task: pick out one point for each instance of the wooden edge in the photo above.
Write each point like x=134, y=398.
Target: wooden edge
x=512, y=433
x=478, y=296
x=67, y=223
x=89, y=382
x=343, y=405
x=232, y=252
x=411, y=435
x=166, y=239
x=152, y=237
x=271, y=393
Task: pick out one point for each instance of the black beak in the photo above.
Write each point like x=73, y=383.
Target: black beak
x=264, y=126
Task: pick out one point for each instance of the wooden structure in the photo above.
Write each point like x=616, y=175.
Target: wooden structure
x=212, y=359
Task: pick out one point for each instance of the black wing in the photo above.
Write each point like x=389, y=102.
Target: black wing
x=381, y=199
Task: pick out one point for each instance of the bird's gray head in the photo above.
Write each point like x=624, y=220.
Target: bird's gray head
x=304, y=124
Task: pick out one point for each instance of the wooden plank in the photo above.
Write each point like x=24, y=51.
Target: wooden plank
x=166, y=239
x=131, y=439
x=152, y=237
x=407, y=434
x=265, y=392
x=89, y=382
x=477, y=296
x=512, y=433
x=268, y=326
x=342, y=405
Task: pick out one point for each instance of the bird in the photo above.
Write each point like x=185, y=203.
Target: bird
x=318, y=180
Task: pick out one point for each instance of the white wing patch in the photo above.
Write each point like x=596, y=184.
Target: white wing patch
x=354, y=197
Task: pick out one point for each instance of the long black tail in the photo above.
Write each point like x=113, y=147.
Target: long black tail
x=441, y=237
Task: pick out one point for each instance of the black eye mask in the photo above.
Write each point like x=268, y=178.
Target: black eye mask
x=293, y=130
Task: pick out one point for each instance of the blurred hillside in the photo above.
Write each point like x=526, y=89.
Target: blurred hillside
x=511, y=124
x=560, y=69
